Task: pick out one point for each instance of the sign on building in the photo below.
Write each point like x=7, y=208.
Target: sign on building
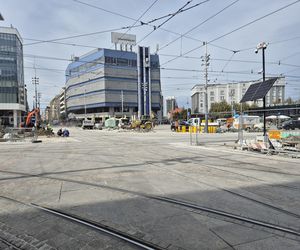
x=123, y=40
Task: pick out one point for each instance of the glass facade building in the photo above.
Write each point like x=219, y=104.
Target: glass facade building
x=104, y=83
x=12, y=88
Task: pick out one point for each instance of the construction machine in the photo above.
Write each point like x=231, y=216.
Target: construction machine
x=145, y=123
x=32, y=119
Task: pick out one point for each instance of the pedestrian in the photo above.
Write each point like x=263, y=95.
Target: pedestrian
x=176, y=125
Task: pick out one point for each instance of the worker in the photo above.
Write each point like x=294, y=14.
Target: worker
x=66, y=133
x=59, y=132
x=48, y=128
x=176, y=125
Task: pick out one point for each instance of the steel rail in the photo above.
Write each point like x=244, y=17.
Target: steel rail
x=101, y=227
x=229, y=215
x=10, y=245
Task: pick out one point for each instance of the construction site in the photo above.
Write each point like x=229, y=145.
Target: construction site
x=155, y=125
x=104, y=189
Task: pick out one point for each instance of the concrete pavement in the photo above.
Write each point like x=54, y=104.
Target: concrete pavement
x=96, y=174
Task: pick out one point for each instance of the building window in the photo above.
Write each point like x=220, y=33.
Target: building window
x=222, y=98
x=222, y=92
x=212, y=93
x=212, y=99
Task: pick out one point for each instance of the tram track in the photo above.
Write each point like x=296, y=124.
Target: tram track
x=149, y=245
x=178, y=173
x=9, y=244
x=94, y=225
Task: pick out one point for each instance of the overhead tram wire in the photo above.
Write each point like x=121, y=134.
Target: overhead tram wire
x=236, y=29
x=164, y=22
x=38, y=41
x=198, y=25
x=247, y=72
x=133, y=19
x=62, y=43
x=81, y=35
x=183, y=10
x=105, y=10
x=141, y=16
x=233, y=60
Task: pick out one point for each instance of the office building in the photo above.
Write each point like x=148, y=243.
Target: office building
x=171, y=104
x=13, y=98
x=233, y=93
x=106, y=83
x=54, y=109
x=62, y=102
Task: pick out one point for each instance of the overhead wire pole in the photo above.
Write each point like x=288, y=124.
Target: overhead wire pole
x=35, y=82
x=122, y=101
x=206, y=64
x=263, y=46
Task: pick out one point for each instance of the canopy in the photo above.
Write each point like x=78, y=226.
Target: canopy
x=271, y=117
x=283, y=117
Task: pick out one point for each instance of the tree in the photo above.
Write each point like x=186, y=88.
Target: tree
x=237, y=106
x=254, y=105
x=219, y=107
x=289, y=101
x=180, y=115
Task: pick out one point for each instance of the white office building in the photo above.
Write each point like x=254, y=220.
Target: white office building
x=13, y=96
x=233, y=93
x=171, y=104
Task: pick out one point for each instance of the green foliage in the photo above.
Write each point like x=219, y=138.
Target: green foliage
x=220, y=107
x=289, y=101
x=237, y=107
x=181, y=115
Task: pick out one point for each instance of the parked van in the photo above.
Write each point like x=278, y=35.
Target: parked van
x=291, y=124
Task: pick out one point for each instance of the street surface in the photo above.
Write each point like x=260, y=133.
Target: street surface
x=103, y=176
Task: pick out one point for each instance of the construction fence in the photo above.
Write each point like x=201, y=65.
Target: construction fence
x=196, y=129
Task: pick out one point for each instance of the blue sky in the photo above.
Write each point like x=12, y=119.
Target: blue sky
x=51, y=19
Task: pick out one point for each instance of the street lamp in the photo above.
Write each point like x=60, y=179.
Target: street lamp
x=84, y=104
x=263, y=46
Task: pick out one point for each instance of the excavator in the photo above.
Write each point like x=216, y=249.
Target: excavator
x=29, y=123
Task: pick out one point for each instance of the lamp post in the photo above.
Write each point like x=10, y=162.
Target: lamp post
x=263, y=46
x=84, y=104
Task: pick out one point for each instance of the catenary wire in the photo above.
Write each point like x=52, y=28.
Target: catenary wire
x=198, y=25
x=237, y=29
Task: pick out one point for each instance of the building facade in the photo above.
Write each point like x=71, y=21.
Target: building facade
x=233, y=93
x=62, y=103
x=13, y=98
x=54, y=109
x=104, y=83
x=171, y=104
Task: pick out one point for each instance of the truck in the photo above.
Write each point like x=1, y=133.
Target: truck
x=88, y=124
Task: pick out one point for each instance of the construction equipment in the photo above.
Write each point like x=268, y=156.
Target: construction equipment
x=32, y=119
x=145, y=124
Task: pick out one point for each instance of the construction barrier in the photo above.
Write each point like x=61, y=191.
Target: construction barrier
x=279, y=134
x=274, y=134
x=196, y=129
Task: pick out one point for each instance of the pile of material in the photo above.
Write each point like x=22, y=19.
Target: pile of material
x=111, y=123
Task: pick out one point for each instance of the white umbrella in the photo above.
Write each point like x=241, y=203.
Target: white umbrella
x=271, y=117
x=283, y=117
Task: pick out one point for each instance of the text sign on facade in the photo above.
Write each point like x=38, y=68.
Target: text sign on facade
x=121, y=38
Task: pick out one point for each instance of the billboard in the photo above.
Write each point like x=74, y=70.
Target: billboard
x=123, y=39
